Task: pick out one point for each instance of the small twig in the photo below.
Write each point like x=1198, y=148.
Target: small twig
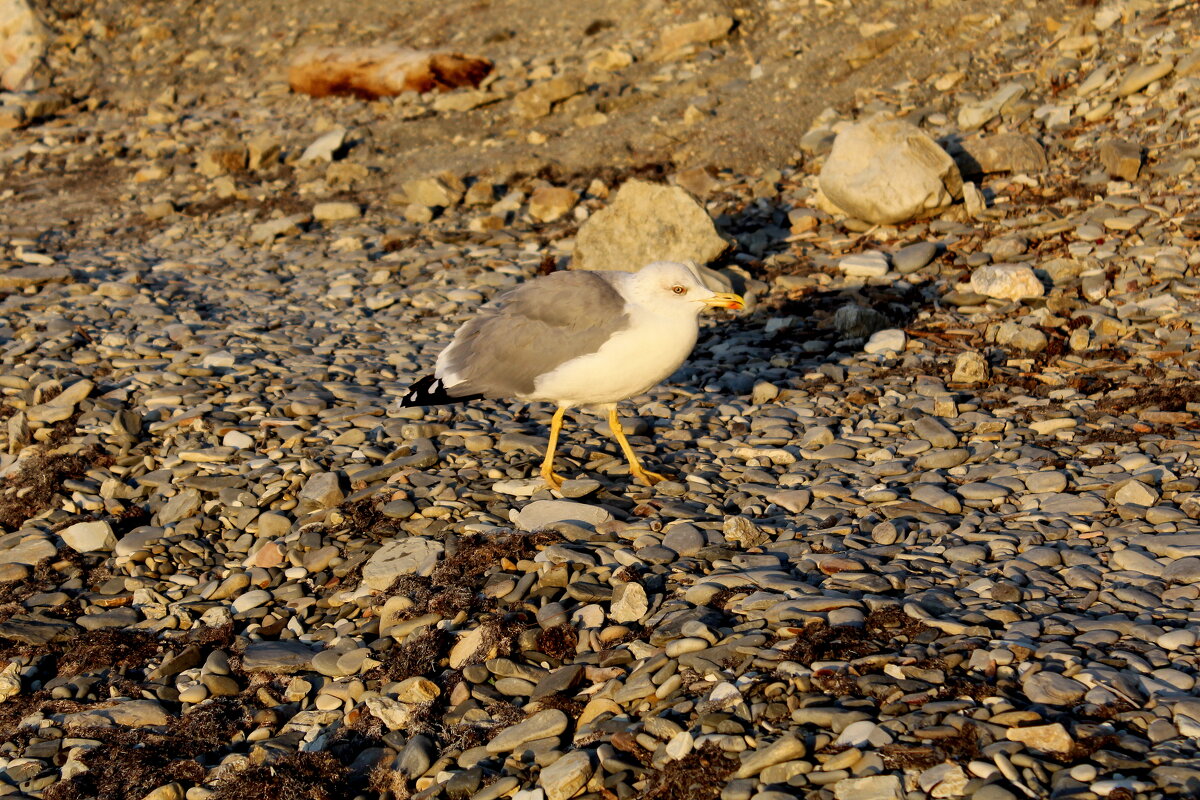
x=1189, y=140
x=1053, y=42
x=1168, y=11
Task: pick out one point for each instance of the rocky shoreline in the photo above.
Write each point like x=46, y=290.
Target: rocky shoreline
x=931, y=528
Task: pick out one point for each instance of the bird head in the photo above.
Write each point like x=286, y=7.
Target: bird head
x=678, y=288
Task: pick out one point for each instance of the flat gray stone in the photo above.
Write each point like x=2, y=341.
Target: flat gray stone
x=36, y=629
x=251, y=599
x=137, y=539
x=913, y=257
x=282, y=657
x=1134, y=561
x=937, y=497
x=983, y=490
x=544, y=513
x=1002, y=152
x=181, y=506
x=63, y=405
x=1048, y=481
x=29, y=550
x=400, y=557
x=943, y=459
x=1183, y=570
x=541, y=725
x=1078, y=505
x=124, y=713
x=786, y=748
x=21, y=277
x=934, y=432
x=1053, y=689
x=1172, y=545
x=858, y=321
x=1143, y=75
x=115, y=618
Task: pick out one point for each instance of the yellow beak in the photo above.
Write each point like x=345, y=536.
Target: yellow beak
x=726, y=300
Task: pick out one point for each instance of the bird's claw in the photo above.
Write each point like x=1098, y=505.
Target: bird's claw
x=647, y=477
x=553, y=481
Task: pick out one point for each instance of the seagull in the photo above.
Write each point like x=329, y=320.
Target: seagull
x=578, y=338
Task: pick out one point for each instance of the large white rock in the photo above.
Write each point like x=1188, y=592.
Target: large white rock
x=23, y=40
x=647, y=222
x=1052, y=738
x=970, y=367
x=10, y=681
x=400, y=557
x=890, y=340
x=89, y=537
x=629, y=603
x=1007, y=282
x=864, y=265
x=886, y=171
x=567, y=776
x=325, y=146
x=873, y=787
x=398, y=713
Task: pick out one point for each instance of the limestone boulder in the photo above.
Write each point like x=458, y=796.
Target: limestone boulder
x=647, y=222
x=1007, y=282
x=23, y=41
x=886, y=171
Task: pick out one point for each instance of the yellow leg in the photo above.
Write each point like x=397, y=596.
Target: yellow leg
x=552, y=480
x=635, y=467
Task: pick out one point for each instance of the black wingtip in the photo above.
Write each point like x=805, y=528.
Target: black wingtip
x=430, y=391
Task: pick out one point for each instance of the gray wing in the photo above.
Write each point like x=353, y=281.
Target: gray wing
x=531, y=330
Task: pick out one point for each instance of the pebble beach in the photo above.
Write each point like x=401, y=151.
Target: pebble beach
x=931, y=527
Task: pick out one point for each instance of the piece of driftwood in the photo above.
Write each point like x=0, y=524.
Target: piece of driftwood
x=382, y=71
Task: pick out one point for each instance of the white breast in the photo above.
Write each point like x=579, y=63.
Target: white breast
x=629, y=363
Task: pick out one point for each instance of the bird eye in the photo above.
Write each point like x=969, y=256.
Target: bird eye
x=679, y=289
